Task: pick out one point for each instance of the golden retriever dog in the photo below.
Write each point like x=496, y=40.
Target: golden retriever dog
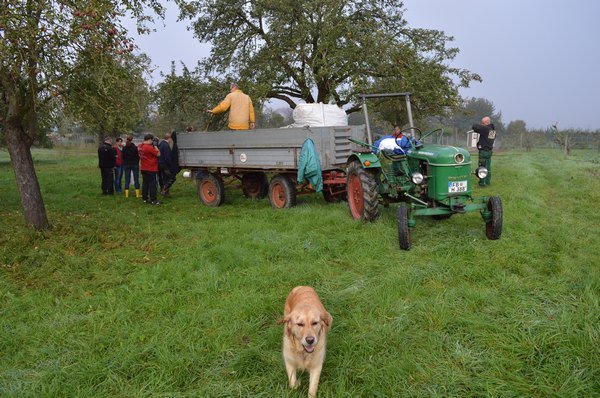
x=304, y=337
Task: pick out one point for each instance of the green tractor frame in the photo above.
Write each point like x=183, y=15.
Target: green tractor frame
x=427, y=180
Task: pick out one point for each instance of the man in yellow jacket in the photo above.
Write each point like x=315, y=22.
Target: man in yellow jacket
x=241, y=111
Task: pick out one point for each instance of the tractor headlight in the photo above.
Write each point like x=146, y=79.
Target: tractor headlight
x=481, y=172
x=417, y=178
x=459, y=158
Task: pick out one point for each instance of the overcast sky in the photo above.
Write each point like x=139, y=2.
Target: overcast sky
x=539, y=59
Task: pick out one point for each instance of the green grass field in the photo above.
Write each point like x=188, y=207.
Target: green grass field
x=122, y=299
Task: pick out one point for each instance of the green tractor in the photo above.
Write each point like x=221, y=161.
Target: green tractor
x=426, y=180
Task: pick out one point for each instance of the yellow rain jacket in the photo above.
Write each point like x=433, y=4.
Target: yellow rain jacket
x=241, y=111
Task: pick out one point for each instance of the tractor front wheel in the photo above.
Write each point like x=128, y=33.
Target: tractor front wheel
x=493, y=226
x=362, y=193
x=403, y=229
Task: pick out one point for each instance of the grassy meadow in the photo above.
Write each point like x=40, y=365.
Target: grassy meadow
x=123, y=299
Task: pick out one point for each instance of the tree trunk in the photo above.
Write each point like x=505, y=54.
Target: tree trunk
x=27, y=182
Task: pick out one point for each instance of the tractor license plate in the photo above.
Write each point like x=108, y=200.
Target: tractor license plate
x=457, y=186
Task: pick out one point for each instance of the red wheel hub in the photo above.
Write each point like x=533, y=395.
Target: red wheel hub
x=278, y=195
x=209, y=191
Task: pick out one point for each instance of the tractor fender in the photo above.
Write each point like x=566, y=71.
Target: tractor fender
x=368, y=160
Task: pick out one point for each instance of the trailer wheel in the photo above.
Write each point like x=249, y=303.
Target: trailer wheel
x=362, y=193
x=255, y=185
x=282, y=192
x=493, y=227
x=211, y=190
x=403, y=229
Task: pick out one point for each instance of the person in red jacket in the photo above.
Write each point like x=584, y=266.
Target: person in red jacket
x=149, y=154
x=119, y=166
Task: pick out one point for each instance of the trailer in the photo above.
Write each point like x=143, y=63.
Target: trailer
x=252, y=156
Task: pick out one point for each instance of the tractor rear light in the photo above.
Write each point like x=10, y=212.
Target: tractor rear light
x=417, y=178
x=367, y=163
x=481, y=172
x=459, y=158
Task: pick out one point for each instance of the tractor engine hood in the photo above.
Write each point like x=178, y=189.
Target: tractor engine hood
x=438, y=155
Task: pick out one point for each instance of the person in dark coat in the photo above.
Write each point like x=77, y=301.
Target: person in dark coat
x=131, y=166
x=107, y=158
x=485, y=145
x=168, y=162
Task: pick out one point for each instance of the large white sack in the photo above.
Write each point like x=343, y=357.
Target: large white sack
x=319, y=115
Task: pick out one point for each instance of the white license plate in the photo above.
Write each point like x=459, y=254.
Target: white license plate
x=457, y=186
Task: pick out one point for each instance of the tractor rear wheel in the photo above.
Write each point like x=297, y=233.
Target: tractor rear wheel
x=282, y=192
x=255, y=185
x=403, y=229
x=493, y=226
x=362, y=193
x=211, y=190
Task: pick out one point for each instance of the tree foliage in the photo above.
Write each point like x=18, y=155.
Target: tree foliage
x=108, y=95
x=182, y=100
x=469, y=112
x=516, y=132
x=322, y=50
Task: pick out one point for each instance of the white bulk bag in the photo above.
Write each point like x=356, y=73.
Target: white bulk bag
x=319, y=115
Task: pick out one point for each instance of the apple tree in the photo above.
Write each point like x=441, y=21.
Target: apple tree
x=40, y=43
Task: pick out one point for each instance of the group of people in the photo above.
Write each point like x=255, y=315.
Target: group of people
x=157, y=161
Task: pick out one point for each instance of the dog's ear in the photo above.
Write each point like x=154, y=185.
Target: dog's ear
x=283, y=320
x=327, y=318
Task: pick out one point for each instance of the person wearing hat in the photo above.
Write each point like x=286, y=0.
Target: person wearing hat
x=107, y=158
x=149, y=154
x=241, y=110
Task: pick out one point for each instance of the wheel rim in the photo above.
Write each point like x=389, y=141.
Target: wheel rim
x=209, y=191
x=355, y=196
x=278, y=195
